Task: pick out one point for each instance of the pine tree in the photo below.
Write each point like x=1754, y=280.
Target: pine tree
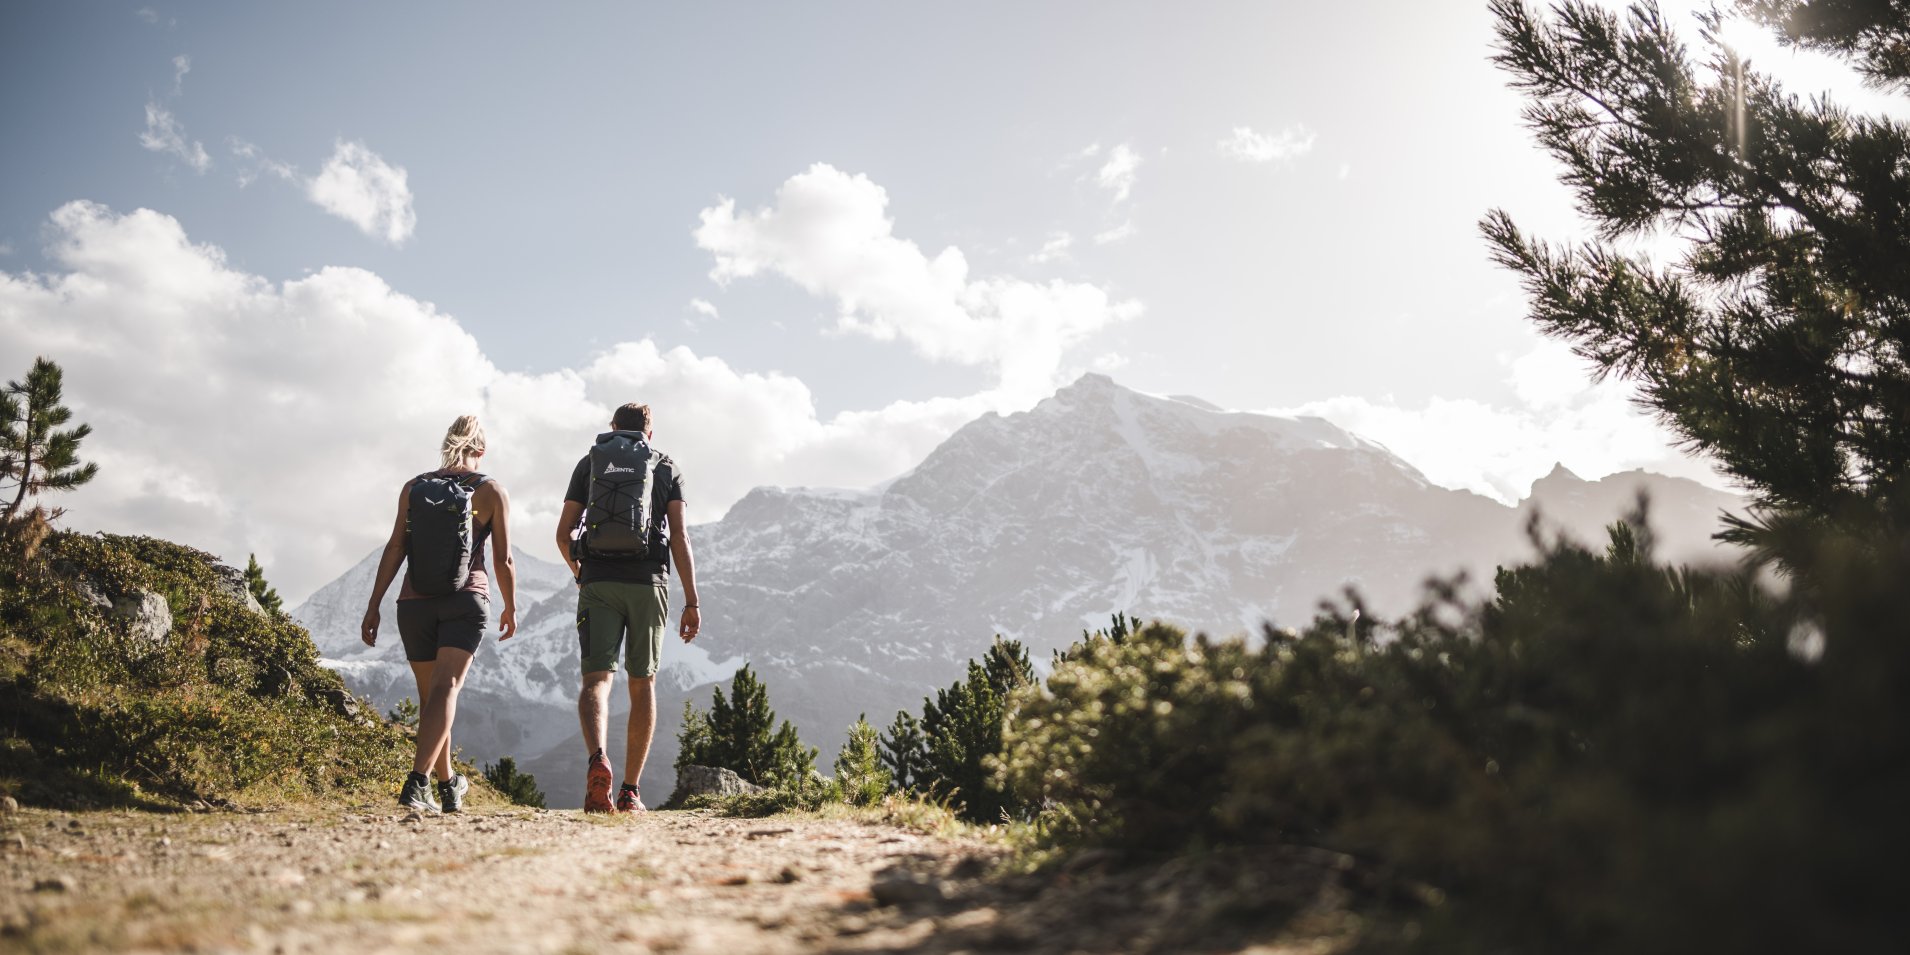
x=740, y=734
x=35, y=456
x=264, y=593
x=860, y=775
x=905, y=752
x=520, y=787
x=963, y=730
x=1779, y=339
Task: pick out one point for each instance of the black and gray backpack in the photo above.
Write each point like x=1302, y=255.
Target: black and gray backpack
x=440, y=532
x=620, y=522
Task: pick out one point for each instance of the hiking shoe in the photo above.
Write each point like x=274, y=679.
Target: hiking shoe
x=416, y=796
x=597, y=785
x=451, y=793
x=630, y=799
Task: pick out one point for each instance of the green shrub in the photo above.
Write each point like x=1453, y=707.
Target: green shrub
x=946, y=754
x=519, y=787
x=860, y=775
x=1610, y=755
x=740, y=734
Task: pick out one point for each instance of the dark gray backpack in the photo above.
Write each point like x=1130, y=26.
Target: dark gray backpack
x=440, y=532
x=620, y=522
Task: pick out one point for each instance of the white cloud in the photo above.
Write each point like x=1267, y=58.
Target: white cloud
x=147, y=14
x=1346, y=169
x=181, y=65
x=1593, y=429
x=164, y=134
x=6, y=249
x=1108, y=362
x=1117, y=175
x=257, y=163
x=1116, y=234
x=703, y=308
x=358, y=186
x=1054, y=249
x=830, y=233
x=207, y=385
x=1248, y=146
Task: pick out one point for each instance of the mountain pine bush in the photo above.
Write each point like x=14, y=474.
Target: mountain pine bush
x=740, y=734
x=1611, y=755
x=517, y=786
x=947, y=753
x=860, y=776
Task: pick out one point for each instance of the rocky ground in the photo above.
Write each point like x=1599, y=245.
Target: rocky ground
x=369, y=881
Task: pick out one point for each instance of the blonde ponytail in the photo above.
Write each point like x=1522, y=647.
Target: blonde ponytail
x=462, y=443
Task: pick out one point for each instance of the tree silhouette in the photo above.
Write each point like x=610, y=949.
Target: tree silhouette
x=35, y=455
x=1778, y=339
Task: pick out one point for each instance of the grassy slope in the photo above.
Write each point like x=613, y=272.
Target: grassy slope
x=230, y=707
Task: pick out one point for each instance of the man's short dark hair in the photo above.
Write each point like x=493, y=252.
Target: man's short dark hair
x=631, y=417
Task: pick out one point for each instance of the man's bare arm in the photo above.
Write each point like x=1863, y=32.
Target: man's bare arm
x=388, y=563
x=566, y=524
x=685, y=571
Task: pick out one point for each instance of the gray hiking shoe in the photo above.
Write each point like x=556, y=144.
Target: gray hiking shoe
x=451, y=793
x=416, y=796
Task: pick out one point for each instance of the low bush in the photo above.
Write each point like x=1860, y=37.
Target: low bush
x=1609, y=755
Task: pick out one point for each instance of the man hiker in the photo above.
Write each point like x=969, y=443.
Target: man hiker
x=621, y=527
x=444, y=518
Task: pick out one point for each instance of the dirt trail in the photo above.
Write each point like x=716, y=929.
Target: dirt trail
x=486, y=881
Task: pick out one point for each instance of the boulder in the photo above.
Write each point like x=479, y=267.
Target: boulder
x=146, y=615
x=709, y=781
x=230, y=581
x=90, y=594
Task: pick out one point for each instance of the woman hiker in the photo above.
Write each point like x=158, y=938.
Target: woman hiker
x=444, y=518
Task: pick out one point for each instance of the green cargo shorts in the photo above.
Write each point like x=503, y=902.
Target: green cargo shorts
x=607, y=609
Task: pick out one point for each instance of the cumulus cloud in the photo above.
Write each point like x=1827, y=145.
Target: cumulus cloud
x=830, y=233
x=181, y=65
x=165, y=134
x=358, y=186
x=1054, y=249
x=1117, y=175
x=207, y=385
x=703, y=308
x=1563, y=418
x=1246, y=145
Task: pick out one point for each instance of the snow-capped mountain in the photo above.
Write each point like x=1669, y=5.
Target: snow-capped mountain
x=1033, y=525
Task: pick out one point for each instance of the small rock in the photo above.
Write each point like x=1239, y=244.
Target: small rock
x=301, y=907
x=289, y=877
x=901, y=887
x=72, y=824
x=413, y=818
x=382, y=844
x=165, y=842
x=708, y=781
x=789, y=874
x=9, y=805
x=147, y=617
x=58, y=883
x=16, y=842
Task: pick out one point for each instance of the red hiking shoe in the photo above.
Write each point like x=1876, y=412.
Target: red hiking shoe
x=597, y=785
x=630, y=799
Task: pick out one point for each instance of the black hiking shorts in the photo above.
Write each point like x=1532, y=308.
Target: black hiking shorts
x=450, y=620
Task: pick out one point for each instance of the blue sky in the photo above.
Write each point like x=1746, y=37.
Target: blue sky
x=817, y=236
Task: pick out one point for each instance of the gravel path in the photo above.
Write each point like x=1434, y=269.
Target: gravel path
x=487, y=881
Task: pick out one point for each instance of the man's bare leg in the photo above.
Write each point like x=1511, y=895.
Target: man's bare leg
x=421, y=672
x=643, y=723
x=439, y=709
x=593, y=709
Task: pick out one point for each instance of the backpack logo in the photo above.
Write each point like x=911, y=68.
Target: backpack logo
x=613, y=469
